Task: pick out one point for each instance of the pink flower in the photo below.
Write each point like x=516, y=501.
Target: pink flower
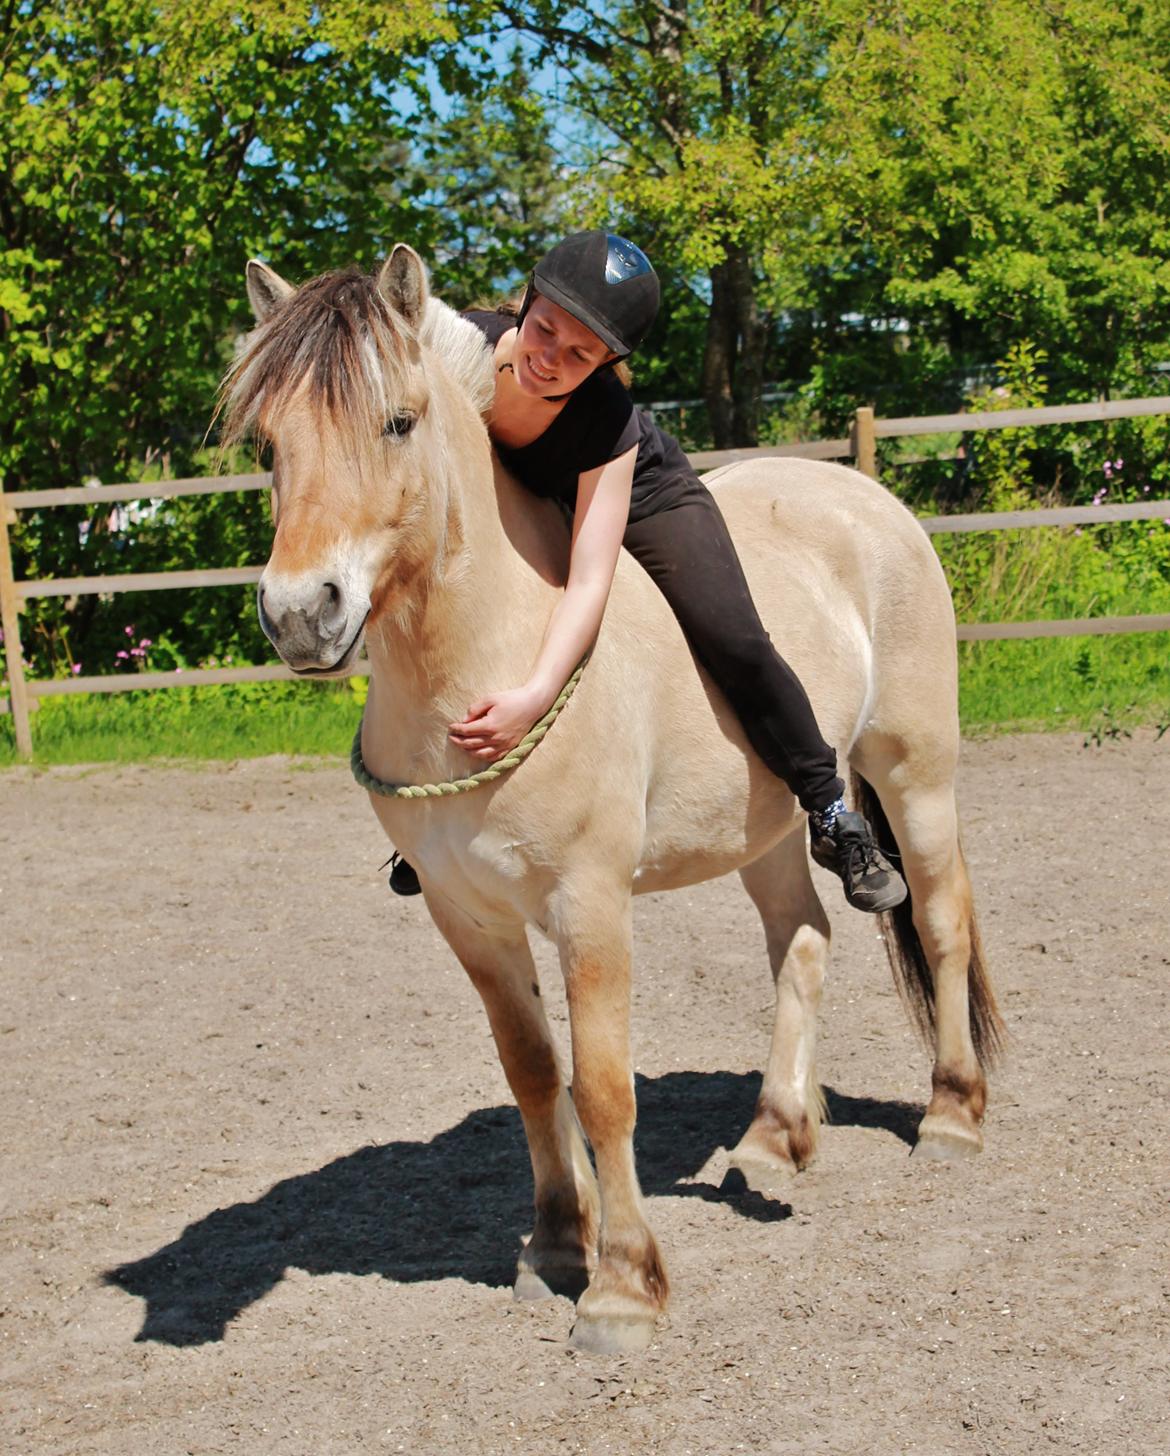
x=1117, y=464
x=129, y=631
x=146, y=642
x=76, y=668
x=121, y=655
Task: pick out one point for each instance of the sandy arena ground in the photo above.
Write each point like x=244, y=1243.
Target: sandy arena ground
x=262, y=1184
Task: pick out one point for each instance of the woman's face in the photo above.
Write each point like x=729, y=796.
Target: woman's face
x=553, y=353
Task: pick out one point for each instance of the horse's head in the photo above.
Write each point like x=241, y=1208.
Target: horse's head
x=334, y=379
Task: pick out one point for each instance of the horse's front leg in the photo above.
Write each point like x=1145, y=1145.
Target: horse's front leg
x=629, y=1288
x=559, y=1255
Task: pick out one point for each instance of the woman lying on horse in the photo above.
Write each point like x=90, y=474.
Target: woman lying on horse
x=564, y=425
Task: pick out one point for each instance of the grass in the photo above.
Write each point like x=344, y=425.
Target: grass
x=1087, y=684
x=245, y=720
x=1048, y=684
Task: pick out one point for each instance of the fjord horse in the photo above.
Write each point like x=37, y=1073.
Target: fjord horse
x=395, y=526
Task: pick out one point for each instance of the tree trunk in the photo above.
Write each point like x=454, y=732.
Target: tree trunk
x=719, y=359
x=733, y=359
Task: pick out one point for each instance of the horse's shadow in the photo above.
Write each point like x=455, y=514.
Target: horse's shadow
x=452, y=1207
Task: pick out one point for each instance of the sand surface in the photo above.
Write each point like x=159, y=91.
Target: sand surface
x=262, y=1184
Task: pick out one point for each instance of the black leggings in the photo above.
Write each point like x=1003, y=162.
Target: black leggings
x=687, y=550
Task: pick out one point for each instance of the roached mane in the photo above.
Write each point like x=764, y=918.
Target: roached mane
x=338, y=336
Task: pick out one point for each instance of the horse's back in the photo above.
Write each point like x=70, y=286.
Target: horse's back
x=844, y=578
x=822, y=518
x=651, y=767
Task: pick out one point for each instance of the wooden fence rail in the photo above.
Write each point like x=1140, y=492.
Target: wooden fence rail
x=860, y=446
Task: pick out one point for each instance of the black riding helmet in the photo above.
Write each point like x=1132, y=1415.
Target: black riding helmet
x=605, y=282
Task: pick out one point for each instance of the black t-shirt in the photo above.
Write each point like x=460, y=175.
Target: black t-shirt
x=598, y=423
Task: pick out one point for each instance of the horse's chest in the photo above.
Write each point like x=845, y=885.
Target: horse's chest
x=487, y=867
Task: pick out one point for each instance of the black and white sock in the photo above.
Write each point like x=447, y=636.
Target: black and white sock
x=824, y=821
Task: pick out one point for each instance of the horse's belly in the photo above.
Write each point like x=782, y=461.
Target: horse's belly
x=709, y=812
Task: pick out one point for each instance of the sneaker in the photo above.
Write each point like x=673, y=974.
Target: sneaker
x=850, y=851
x=403, y=879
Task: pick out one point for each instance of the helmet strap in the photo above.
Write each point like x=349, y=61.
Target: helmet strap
x=526, y=304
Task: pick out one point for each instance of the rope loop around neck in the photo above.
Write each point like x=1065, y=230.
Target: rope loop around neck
x=488, y=775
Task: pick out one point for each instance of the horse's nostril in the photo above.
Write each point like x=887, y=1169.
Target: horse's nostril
x=262, y=612
x=330, y=604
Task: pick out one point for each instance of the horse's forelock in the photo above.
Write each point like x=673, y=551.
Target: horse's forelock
x=337, y=339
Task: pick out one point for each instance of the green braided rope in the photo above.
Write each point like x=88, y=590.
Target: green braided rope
x=485, y=776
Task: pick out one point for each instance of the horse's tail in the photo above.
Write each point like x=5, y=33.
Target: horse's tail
x=912, y=973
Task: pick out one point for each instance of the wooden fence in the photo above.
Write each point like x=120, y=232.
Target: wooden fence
x=860, y=446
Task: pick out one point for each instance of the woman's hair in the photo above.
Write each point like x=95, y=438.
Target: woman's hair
x=510, y=308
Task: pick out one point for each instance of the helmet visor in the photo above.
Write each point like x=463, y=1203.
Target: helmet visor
x=581, y=311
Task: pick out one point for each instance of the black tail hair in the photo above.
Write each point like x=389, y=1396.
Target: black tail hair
x=912, y=973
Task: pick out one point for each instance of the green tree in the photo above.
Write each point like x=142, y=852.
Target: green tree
x=484, y=175
x=1034, y=195
x=990, y=169
x=146, y=149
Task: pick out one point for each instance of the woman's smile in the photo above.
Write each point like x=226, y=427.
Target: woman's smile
x=537, y=372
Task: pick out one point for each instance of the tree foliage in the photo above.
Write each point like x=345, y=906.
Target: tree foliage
x=987, y=169
x=146, y=150
x=483, y=175
x=870, y=200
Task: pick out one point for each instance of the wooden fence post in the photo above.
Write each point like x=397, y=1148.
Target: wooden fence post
x=865, y=442
x=10, y=620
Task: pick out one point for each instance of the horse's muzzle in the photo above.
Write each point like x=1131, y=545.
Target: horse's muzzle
x=311, y=622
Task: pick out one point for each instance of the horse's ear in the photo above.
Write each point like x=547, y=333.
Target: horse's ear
x=266, y=290
x=403, y=283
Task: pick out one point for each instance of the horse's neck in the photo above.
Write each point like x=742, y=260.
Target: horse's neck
x=473, y=625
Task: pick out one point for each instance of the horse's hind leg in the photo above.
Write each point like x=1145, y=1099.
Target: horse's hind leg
x=783, y=1133
x=934, y=946
x=558, y=1256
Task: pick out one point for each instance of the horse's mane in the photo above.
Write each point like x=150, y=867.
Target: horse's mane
x=339, y=338
x=463, y=349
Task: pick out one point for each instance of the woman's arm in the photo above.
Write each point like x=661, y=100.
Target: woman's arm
x=498, y=722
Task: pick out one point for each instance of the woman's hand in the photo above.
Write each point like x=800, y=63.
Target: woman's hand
x=497, y=723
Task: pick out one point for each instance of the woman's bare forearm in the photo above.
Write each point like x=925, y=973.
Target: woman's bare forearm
x=603, y=507
x=571, y=631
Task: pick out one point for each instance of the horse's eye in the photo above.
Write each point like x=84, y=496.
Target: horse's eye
x=399, y=425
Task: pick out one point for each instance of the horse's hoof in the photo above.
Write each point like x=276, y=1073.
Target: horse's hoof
x=530, y=1286
x=713, y=1170
x=611, y=1335
x=770, y=1180
x=943, y=1143
x=568, y=1279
